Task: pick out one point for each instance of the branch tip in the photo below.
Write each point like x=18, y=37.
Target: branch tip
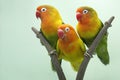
x=35, y=30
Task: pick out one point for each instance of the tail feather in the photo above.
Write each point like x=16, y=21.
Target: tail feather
x=102, y=51
x=103, y=56
x=76, y=64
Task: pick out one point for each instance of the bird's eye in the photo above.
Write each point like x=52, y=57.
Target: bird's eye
x=43, y=9
x=67, y=29
x=85, y=11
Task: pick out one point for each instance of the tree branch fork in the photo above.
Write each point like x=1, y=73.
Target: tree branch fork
x=87, y=56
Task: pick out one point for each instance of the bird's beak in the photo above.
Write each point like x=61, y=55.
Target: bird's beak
x=78, y=16
x=60, y=33
x=37, y=14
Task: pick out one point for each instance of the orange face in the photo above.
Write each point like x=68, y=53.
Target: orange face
x=67, y=33
x=84, y=14
x=49, y=15
x=42, y=11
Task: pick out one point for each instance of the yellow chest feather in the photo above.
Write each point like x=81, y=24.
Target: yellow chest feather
x=88, y=31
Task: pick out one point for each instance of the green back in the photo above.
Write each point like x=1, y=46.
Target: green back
x=101, y=49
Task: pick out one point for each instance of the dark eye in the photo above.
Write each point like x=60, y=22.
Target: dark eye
x=85, y=11
x=43, y=9
x=67, y=29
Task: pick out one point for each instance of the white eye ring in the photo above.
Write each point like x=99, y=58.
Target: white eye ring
x=67, y=29
x=85, y=11
x=43, y=9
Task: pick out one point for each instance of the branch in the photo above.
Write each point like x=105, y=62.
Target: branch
x=89, y=53
x=53, y=54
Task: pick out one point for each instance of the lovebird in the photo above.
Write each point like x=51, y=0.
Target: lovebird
x=69, y=46
x=50, y=20
x=88, y=27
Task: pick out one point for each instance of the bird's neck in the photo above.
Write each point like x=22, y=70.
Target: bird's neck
x=93, y=24
x=89, y=30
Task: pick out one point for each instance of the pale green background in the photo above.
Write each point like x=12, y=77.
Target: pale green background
x=22, y=57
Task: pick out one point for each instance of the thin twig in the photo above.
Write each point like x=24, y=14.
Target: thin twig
x=53, y=54
x=81, y=72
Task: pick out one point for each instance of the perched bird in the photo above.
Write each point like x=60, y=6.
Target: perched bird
x=69, y=46
x=50, y=20
x=88, y=27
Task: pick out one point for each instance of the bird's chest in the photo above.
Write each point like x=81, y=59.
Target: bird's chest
x=48, y=29
x=71, y=52
x=69, y=49
x=88, y=32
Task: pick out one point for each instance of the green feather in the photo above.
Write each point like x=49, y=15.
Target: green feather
x=94, y=25
x=102, y=51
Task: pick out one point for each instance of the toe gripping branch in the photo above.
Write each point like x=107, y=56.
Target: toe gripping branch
x=88, y=55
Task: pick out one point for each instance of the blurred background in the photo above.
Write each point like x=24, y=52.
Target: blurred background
x=22, y=57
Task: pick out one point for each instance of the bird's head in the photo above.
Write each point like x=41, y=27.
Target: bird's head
x=66, y=33
x=85, y=14
x=46, y=12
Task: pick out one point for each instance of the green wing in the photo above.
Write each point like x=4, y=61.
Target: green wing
x=102, y=51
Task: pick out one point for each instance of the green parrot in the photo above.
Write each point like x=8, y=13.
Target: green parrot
x=50, y=20
x=88, y=27
x=69, y=48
